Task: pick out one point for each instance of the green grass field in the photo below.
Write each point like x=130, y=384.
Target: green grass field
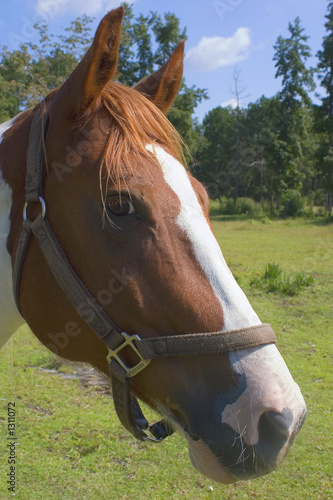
x=71, y=445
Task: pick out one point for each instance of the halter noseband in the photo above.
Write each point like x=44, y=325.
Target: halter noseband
x=126, y=405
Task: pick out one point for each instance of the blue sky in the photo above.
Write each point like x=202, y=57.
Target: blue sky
x=224, y=36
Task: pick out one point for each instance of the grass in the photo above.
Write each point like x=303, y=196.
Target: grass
x=71, y=445
x=274, y=279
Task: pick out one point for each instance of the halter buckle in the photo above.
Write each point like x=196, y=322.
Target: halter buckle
x=131, y=371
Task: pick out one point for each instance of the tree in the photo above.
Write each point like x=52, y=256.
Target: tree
x=168, y=35
x=239, y=134
x=143, y=38
x=15, y=75
x=325, y=115
x=233, y=154
x=291, y=55
x=215, y=159
x=262, y=121
x=137, y=60
x=126, y=55
x=28, y=74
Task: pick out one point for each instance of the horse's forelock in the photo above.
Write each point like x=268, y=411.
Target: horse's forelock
x=135, y=123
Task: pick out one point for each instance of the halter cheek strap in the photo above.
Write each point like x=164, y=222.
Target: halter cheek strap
x=126, y=405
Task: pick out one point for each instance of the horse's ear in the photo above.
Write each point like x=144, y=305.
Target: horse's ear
x=162, y=86
x=97, y=67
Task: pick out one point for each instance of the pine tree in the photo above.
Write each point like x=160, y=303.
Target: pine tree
x=291, y=55
x=325, y=69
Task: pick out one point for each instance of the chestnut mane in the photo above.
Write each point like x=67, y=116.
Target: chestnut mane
x=135, y=123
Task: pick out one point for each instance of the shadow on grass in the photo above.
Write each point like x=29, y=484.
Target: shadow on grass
x=323, y=221
x=318, y=221
x=231, y=218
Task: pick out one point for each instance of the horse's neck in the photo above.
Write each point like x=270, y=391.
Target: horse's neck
x=10, y=319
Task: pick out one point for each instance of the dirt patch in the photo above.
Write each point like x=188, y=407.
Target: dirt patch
x=89, y=377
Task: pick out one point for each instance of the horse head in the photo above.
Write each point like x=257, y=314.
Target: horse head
x=133, y=223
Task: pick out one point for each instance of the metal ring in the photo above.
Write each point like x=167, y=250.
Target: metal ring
x=43, y=205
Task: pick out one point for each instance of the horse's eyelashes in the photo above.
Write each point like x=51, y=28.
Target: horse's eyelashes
x=120, y=206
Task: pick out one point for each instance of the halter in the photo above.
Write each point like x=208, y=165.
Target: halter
x=126, y=405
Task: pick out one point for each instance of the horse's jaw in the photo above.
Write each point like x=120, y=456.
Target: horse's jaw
x=205, y=462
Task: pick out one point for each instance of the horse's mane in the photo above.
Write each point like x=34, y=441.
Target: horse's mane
x=135, y=123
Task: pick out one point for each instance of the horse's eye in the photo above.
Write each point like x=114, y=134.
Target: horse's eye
x=120, y=206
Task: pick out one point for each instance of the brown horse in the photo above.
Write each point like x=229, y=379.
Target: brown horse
x=135, y=243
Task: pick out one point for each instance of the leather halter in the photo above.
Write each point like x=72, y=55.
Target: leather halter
x=114, y=338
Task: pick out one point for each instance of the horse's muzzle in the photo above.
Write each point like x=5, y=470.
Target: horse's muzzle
x=222, y=454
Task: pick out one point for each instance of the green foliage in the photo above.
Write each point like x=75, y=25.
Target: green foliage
x=325, y=111
x=325, y=69
x=292, y=203
x=215, y=158
x=33, y=71
x=243, y=206
x=244, y=153
x=272, y=272
x=291, y=55
x=274, y=279
x=181, y=116
x=168, y=33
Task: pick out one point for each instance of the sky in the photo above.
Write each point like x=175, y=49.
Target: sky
x=225, y=37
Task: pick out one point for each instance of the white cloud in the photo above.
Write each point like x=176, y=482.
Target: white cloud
x=232, y=102
x=53, y=8
x=213, y=52
x=49, y=9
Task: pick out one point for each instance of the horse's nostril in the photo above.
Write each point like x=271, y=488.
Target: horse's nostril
x=273, y=428
x=280, y=421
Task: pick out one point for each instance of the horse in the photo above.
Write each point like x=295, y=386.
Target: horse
x=107, y=253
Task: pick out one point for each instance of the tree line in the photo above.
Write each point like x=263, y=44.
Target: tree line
x=277, y=150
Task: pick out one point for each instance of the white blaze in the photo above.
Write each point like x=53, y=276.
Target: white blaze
x=10, y=319
x=269, y=387
x=237, y=310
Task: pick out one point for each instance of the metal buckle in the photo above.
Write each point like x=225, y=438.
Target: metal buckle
x=43, y=205
x=131, y=371
x=152, y=438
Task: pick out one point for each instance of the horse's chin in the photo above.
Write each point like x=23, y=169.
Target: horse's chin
x=206, y=463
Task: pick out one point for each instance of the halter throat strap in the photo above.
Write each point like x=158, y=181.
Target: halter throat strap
x=126, y=405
